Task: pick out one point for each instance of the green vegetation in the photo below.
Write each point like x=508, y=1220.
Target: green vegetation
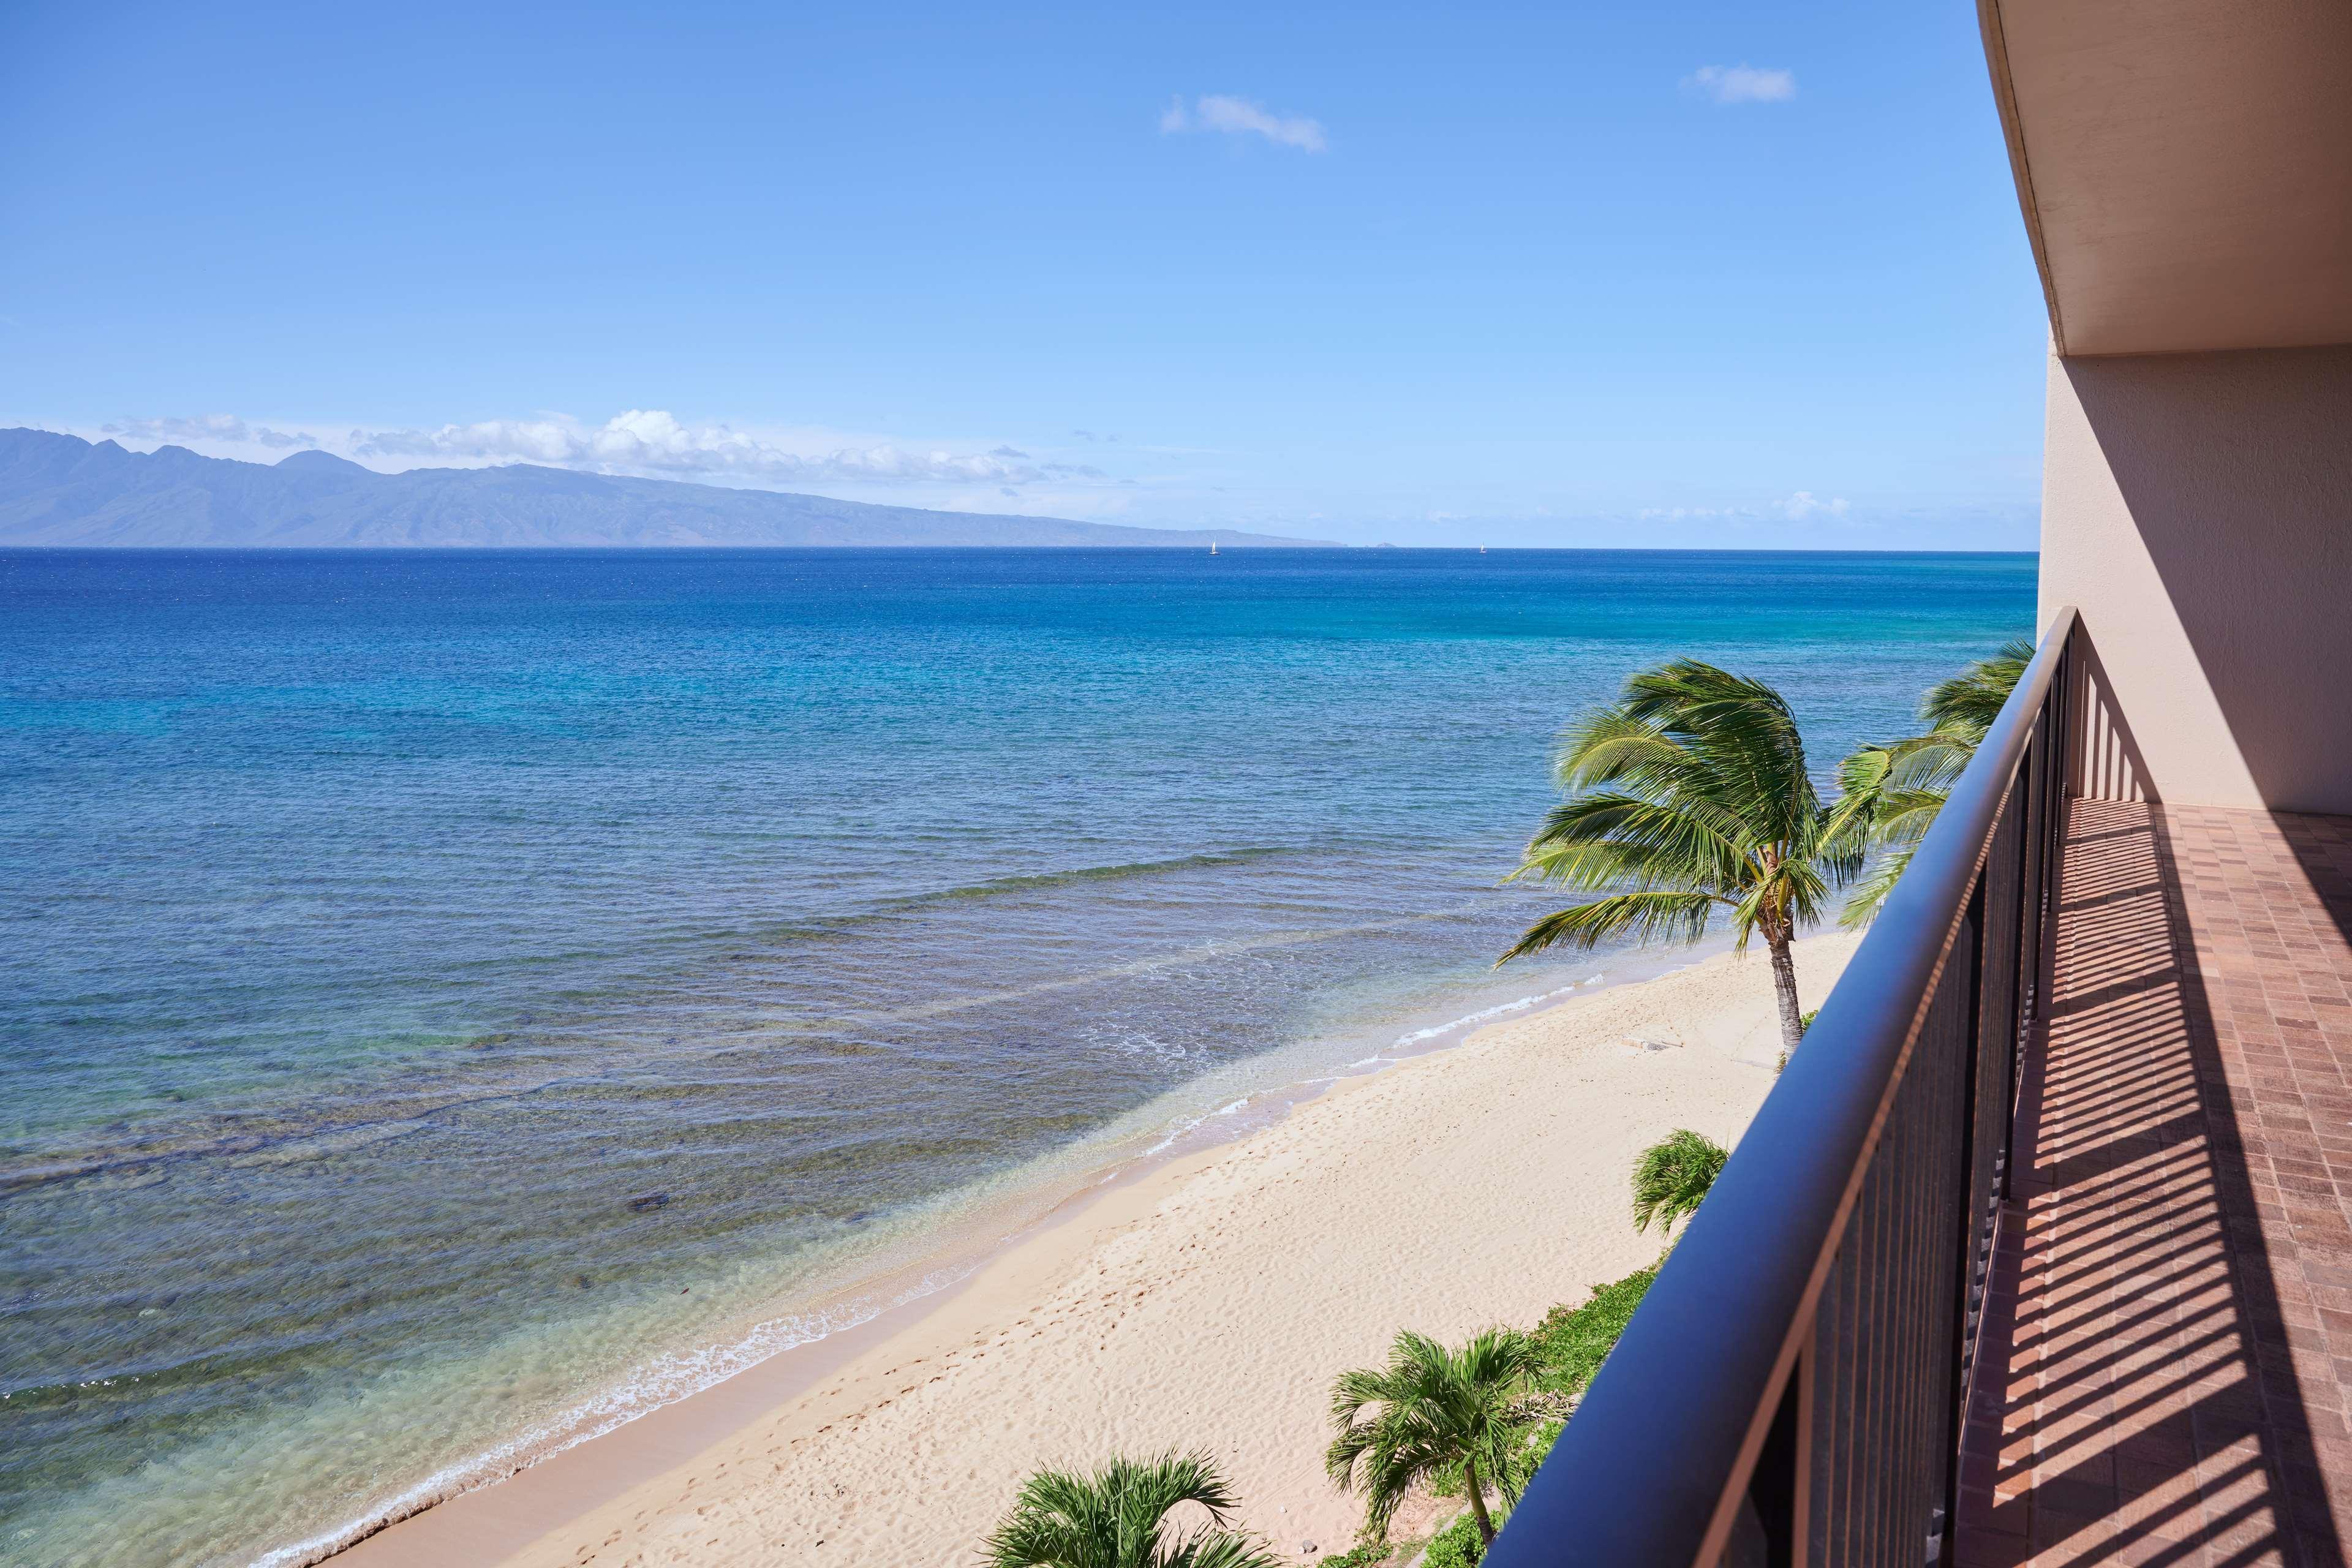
x=1689, y=797
x=1363, y=1554
x=1456, y=1546
x=1118, y=1517
x=1898, y=788
x=1672, y=1176
x=1430, y=1410
x=1577, y=1340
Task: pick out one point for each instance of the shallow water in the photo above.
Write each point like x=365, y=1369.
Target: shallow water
x=450, y=1000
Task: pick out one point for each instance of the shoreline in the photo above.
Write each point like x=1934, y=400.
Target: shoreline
x=519, y=1517
x=961, y=1248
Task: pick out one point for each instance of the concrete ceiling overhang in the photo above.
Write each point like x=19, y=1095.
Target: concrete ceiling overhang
x=2185, y=167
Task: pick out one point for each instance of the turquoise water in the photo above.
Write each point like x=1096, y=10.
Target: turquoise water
x=452, y=1001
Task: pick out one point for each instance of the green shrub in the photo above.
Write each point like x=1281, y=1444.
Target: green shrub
x=1456, y=1546
x=1363, y=1554
x=1577, y=1340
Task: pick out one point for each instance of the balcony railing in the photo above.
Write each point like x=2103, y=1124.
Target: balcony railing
x=1793, y=1389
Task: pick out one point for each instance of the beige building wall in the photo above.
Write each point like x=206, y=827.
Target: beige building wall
x=2198, y=509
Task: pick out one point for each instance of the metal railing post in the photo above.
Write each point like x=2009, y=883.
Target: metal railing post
x=1972, y=936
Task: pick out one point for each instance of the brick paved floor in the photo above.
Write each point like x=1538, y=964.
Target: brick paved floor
x=2168, y=1355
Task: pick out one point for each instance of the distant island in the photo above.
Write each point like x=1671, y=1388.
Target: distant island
x=57, y=490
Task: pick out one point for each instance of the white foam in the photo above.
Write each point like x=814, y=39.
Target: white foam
x=1482, y=1015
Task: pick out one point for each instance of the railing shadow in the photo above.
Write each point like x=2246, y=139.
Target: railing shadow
x=2140, y=1397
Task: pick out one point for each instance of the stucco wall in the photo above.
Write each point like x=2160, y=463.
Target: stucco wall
x=2198, y=509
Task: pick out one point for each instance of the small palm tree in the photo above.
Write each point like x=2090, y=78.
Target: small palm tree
x=1690, y=798
x=1428, y=1410
x=1672, y=1176
x=1896, y=789
x=1118, y=1517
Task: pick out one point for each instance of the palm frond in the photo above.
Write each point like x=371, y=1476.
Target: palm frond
x=1863, y=900
x=1610, y=746
x=1934, y=760
x=1118, y=1517
x=1604, y=837
x=1498, y=1358
x=1904, y=819
x=1673, y=1176
x=1969, y=702
x=1654, y=916
x=1742, y=734
x=1222, y=1549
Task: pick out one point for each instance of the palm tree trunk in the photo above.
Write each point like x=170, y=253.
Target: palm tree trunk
x=1784, y=982
x=1477, y=1502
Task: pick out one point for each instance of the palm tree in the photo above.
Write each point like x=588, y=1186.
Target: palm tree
x=1689, y=796
x=1118, y=1517
x=1896, y=789
x=1429, y=1410
x=1672, y=1176
x=1969, y=702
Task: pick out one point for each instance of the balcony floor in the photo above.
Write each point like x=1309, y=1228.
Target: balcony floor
x=2168, y=1353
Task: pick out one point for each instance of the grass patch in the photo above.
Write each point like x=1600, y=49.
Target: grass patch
x=1577, y=1340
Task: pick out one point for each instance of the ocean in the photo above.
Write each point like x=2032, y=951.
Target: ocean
x=452, y=1001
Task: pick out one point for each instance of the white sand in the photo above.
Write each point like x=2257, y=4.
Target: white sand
x=1208, y=1305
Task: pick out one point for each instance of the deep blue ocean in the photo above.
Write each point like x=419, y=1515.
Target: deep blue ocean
x=450, y=1001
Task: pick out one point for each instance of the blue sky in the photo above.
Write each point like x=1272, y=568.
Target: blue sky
x=1681, y=274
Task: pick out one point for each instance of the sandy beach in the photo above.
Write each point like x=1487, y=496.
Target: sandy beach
x=1208, y=1304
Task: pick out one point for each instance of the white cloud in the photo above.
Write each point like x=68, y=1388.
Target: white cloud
x=1744, y=84
x=1796, y=508
x=1239, y=117
x=639, y=441
x=217, y=428
x=1804, y=504
x=651, y=441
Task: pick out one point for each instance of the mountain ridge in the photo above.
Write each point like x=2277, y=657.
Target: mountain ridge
x=61, y=490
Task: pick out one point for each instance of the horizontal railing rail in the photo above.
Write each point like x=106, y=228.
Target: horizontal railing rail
x=1791, y=1389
